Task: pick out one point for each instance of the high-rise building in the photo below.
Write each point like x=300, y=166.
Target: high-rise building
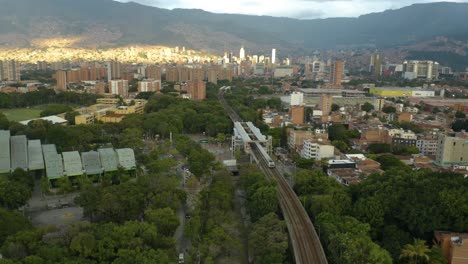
x=325, y=104
x=213, y=75
x=100, y=87
x=336, y=74
x=153, y=72
x=375, y=66
x=297, y=114
x=242, y=53
x=172, y=74
x=114, y=70
x=149, y=86
x=414, y=69
x=119, y=87
x=42, y=65
x=10, y=71
x=197, y=90
x=273, y=56
x=297, y=98
x=61, y=79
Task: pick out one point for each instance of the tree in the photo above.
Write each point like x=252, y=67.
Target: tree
x=165, y=220
x=341, y=145
x=70, y=117
x=132, y=138
x=13, y=194
x=389, y=109
x=263, y=201
x=269, y=240
x=388, y=161
x=10, y=223
x=55, y=109
x=335, y=107
x=377, y=148
x=84, y=244
x=4, y=123
x=367, y=107
x=459, y=114
x=338, y=132
x=418, y=252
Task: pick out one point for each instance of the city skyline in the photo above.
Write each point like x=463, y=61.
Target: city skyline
x=299, y=9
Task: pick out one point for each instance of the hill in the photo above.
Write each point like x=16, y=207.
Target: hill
x=106, y=23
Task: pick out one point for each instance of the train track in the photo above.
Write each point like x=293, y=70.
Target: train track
x=304, y=239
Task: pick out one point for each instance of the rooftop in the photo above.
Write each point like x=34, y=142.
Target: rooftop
x=53, y=119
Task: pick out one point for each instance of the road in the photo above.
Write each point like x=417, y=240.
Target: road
x=304, y=239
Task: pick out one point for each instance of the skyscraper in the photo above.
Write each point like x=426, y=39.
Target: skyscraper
x=336, y=74
x=242, y=53
x=197, y=90
x=375, y=66
x=273, y=56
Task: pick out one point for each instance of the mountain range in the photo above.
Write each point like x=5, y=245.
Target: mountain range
x=107, y=23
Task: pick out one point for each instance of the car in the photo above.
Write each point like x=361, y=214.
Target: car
x=181, y=258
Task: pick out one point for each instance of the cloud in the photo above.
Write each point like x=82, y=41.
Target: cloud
x=301, y=9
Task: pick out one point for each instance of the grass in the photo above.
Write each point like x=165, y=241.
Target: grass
x=21, y=114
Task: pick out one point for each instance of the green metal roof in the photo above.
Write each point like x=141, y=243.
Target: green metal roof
x=108, y=158
x=36, y=159
x=5, y=153
x=53, y=162
x=126, y=158
x=19, y=152
x=91, y=162
x=72, y=163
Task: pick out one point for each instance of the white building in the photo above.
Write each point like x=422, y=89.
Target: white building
x=400, y=133
x=316, y=151
x=273, y=56
x=149, y=86
x=283, y=71
x=297, y=98
x=242, y=53
x=427, y=147
x=119, y=87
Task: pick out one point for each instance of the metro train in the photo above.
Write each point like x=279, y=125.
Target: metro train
x=265, y=155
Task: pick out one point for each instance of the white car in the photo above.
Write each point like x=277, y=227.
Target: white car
x=181, y=258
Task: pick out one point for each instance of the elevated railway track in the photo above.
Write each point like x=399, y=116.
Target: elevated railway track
x=304, y=239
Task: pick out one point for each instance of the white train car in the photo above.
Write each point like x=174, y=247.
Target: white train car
x=265, y=155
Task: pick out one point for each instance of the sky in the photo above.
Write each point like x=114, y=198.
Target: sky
x=301, y=9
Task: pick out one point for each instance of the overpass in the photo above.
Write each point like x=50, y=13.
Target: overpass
x=304, y=239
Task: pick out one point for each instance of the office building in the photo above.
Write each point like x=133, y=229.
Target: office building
x=336, y=74
x=414, y=69
x=119, y=87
